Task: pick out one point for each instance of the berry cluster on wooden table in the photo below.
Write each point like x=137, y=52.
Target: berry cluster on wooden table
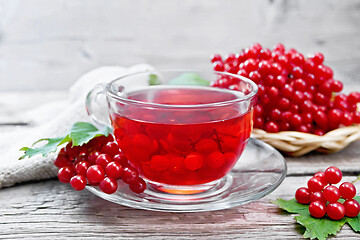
x=323, y=198
x=98, y=162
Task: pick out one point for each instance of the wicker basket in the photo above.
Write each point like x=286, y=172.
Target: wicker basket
x=297, y=143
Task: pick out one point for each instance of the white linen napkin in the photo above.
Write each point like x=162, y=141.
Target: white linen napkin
x=50, y=120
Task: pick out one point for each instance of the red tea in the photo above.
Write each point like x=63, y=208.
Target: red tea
x=181, y=144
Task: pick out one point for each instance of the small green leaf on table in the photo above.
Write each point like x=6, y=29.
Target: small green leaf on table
x=154, y=80
x=354, y=223
x=80, y=133
x=292, y=206
x=189, y=79
x=49, y=147
x=83, y=132
x=317, y=228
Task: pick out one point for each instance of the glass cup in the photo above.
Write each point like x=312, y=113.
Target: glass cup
x=182, y=139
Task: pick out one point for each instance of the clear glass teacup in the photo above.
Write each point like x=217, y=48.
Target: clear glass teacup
x=182, y=139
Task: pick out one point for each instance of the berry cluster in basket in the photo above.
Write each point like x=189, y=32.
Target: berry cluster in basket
x=324, y=197
x=99, y=162
x=295, y=92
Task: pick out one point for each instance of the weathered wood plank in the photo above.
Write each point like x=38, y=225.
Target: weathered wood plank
x=53, y=210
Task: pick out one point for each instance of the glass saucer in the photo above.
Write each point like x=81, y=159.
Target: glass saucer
x=258, y=172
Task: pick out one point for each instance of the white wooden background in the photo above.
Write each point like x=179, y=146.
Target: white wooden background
x=47, y=45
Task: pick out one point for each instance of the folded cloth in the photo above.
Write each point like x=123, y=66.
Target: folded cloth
x=53, y=119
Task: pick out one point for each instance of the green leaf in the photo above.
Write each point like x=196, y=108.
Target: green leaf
x=189, y=79
x=153, y=80
x=319, y=228
x=44, y=150
x=80, y=133
x=292, y=206
x=354, y=223
x=83, y=132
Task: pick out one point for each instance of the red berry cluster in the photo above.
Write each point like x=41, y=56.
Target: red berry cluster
x=295, y=93
x=99, y=162
x=323, y=196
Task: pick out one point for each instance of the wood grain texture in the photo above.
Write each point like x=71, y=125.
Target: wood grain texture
x=53, y=210
x=48, y=45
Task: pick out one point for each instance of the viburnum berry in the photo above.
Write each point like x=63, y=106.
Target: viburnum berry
x=95, y=173
x=108, y=185
x=315, y=184
x=347, y=190
x=279, y=47
x=93, y=156
x=352, y=208
x=65, y=174
x=121, y=159
x=215, y=58
x=82, y=167
x=272, y=127
x=335, y=210
x=114, y=170
x=138, y=186
x=333, y=175
x=218, y=66
x=78, y=182
x=111, y=149
x=70, y=150
x=331, y=194
x=317, y=209
x=130, y=175
x=62, y=160
x=103, y=160
x=321, y=175
x=303, y=195
x=317, y=196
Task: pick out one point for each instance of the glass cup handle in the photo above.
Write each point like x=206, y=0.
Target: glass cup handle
x=97, y=106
